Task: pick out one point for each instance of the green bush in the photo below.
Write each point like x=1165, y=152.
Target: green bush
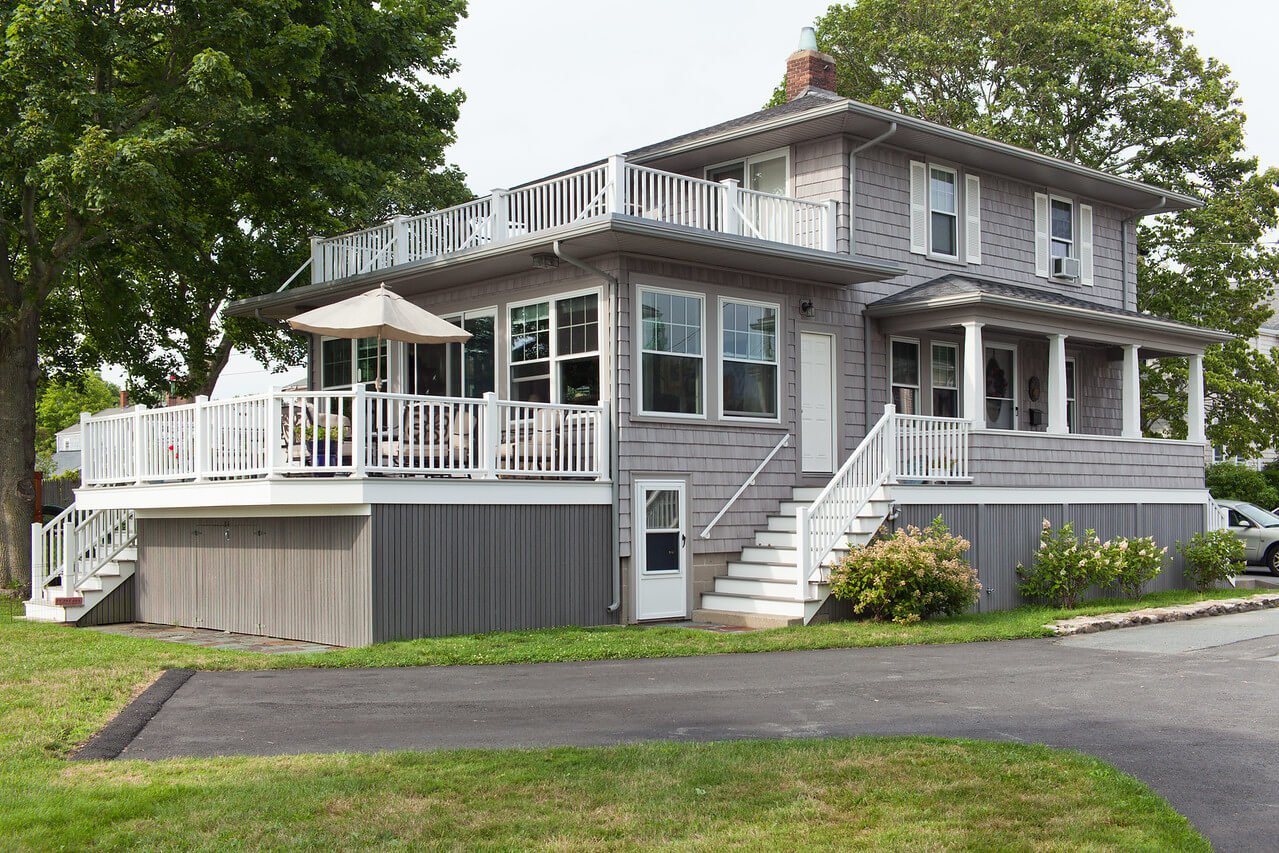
x=1136, y=562
x=908, y=576
x=1228, y=481
x=1065, y=566
x=1212, y=557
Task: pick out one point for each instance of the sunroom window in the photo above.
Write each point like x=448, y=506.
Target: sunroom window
x=555, y=350
x=456, y=370
x=337, y=355
x=671, y=353
x=749, y=369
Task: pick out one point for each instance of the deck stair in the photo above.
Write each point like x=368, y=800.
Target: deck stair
x=77, y=560
x=761, y=588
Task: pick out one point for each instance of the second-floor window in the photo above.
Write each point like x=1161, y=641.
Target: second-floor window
x=1063, y=239
x=1062, y=228
x=945, y=213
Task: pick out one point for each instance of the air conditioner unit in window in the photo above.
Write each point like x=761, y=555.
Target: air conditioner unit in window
x=1066, y=268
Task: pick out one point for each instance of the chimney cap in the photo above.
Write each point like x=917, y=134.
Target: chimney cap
x=808, y=39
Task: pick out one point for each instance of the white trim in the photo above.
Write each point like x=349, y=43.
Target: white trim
x=1085, y=245
x=962, y=494
x=1043, y=211
x=776, y=362
x=746, y=162
x=1088, y=436
x=298, y=511
x=316, y=492
x=637, y=388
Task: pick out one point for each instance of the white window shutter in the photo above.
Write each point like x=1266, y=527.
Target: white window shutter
x=972, y=219
x=1041, y=235
x=918, y=207
x=1085, y=245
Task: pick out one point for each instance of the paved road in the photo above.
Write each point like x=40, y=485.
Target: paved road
x=1189, y=707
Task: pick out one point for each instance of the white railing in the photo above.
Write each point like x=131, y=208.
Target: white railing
x=898, y=447
x=750, y=481
x=355, y=432
x=75, y=546
x=613, y=187
x=929, y=448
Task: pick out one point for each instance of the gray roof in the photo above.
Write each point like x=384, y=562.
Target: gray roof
x=114, y=410
x=955, y=284
x=808, y=101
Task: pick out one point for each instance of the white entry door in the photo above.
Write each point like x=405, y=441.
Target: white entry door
x=816, y=402
x=660, y=550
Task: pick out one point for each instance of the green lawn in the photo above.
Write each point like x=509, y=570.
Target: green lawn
x=58, y=685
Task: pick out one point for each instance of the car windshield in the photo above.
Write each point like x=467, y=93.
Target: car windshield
x=1257, y=515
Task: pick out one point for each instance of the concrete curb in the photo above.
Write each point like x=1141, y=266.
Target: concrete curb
x=120, y=732
x=1152, y=615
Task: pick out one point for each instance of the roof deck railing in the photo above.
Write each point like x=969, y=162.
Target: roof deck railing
x=614, y=187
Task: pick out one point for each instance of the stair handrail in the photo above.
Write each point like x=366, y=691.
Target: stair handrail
x=77, y=544
x=48, y=549
x=820, y=525
x=750, y=481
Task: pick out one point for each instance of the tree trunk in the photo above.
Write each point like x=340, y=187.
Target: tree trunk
x=18, y=371
x=215, y=366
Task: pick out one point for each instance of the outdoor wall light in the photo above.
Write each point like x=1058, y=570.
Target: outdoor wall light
x=806, y=308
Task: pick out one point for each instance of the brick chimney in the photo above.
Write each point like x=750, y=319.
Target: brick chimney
x=809, y=68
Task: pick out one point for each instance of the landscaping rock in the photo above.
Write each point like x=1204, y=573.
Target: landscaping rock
x=1152, y=615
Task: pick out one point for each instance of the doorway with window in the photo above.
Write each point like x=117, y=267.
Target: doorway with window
x=1001, y=386
x=660, y=550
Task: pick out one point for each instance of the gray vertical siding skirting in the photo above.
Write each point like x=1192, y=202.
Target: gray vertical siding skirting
x=120, y=605
x=1004, y=535
x=442, y=569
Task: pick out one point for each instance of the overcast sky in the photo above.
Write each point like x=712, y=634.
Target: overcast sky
x=553, y=84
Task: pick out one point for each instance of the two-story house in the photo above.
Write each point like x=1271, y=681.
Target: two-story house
x=698, y=372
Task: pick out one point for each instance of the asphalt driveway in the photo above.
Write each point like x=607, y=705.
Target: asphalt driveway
x=1189, y=707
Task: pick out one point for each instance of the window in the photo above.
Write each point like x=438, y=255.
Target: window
x=765, y=173
x=904, y=358
x=943, y=212
x=945, y=381
x=337, y=355
x=671, y=357
x=1072, y=410
x=456, y=370
x=748, y=367
x=1062, y=225
x=555, y=350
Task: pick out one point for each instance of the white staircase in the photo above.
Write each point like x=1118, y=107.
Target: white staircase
x=77, y=560
x=762, y=587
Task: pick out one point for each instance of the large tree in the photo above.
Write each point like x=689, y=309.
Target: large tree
x=1116, y=85
x=158, y=158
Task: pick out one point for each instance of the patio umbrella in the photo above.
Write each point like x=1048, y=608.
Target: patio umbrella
x=381, y=314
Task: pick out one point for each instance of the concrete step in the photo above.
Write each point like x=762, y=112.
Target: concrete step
x=744, y=620
x=772, y=571
x=40, y=611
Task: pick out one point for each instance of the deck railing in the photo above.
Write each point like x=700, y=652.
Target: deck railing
x=897, y=448
x=354, y=432
x=614, y=187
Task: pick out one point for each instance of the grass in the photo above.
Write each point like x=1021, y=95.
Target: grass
x=59, y=685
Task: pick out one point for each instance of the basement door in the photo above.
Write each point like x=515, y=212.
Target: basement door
x=817, y=402
x=660, y=550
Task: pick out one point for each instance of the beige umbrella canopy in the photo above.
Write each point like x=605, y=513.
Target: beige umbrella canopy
x=381, y=314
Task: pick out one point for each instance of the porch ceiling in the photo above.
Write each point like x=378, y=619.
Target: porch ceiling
x=614, y=234
x=952, y=300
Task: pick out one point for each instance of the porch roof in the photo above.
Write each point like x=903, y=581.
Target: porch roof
x=955, y=298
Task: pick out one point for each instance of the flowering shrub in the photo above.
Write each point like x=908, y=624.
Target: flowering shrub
x=1065, y=566
x=1212, y=557
x=1136, y=562
x=908, y=576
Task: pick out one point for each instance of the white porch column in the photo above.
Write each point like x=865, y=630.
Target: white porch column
x=1132, y=393
x=1195, y=399
x=974, y=375
x=1057, y=422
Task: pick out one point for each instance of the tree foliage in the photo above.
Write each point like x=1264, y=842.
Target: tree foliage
x=159, y=158
x=1116, y=85
x=63, y=398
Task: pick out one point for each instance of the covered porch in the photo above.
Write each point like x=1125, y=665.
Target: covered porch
x=1008, y=359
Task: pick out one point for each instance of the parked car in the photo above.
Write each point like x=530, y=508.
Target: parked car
x=1259, y=531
